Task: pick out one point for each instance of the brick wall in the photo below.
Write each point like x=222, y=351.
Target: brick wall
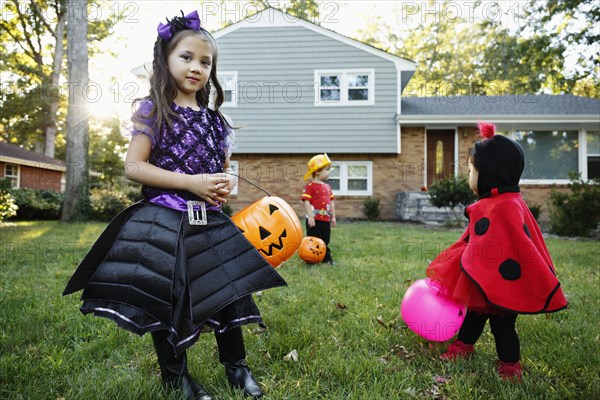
x=37, y=178
x=282, y=175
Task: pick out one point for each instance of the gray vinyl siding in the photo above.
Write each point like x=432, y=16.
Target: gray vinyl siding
x=277, y=57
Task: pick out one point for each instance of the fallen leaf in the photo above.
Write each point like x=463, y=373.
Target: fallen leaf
x=411, y=392
x=440, y=379
x=380, y=321
x=292, y=356
x=341, y=306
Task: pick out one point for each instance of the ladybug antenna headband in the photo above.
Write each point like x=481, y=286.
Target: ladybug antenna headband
x=176, y=24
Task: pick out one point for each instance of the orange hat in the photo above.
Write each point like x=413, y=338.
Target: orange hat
x=316, y=163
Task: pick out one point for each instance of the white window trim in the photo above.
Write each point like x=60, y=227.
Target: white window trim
x=234, y=90
x=343, y=168
x=343, y=74
x=235, y=166
x=17, y=177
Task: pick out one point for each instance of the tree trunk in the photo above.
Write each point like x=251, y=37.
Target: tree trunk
x=76, y=195
x=50, y=129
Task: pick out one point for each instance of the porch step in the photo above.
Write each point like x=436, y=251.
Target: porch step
x=415, y=206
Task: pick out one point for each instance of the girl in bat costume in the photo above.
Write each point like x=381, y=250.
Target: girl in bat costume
x=174, y=265
x=500, y=267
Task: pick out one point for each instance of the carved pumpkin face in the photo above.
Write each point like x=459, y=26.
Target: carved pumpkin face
x=312, y=250
x=272, y=226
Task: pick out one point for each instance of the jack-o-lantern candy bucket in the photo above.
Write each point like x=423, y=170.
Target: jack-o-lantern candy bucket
x=312, y=250
x=272, y=226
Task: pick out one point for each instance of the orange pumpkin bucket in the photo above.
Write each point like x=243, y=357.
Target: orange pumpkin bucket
x=312, y=250
x=272, y=226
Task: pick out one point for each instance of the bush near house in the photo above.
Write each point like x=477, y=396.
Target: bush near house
x=8, y=207
x=106, y=202
x=576, y=213
x=372, y=208
x=451, y=192
x=37, y=204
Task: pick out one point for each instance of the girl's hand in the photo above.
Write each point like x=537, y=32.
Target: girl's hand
x=333, y=222
x=212, y=188
x=311, y=222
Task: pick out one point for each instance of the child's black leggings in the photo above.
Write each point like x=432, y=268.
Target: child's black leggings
x=503, y=329
x=322, y=230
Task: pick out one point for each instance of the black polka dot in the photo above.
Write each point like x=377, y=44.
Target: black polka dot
x=510, y=270
x=527, y=230
x=481, y=226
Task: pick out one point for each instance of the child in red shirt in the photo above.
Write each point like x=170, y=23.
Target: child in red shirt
x=318, y=202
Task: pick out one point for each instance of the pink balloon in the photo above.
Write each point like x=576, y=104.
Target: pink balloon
x=429, y=313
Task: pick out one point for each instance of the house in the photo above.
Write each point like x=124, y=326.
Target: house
x=297, y=89
x=30, y=170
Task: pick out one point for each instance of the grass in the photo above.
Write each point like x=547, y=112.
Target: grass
x=343, y=321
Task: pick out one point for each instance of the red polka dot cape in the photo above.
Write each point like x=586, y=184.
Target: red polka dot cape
x=501, y=261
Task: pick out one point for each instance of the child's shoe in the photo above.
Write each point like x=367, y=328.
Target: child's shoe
x=510, y=371
x=458, y=349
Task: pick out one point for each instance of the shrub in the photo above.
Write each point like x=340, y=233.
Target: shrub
x=371, y=208
x=37, y=204
x=451, y=192
x=576, y=213
x=535, y=210
x=108, y=202
x=227, y=210
x=8, y=207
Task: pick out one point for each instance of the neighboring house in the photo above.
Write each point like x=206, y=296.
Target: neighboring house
x=31, y=170
x=297, y=89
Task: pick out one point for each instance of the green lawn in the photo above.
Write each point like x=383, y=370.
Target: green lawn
x=343, y=321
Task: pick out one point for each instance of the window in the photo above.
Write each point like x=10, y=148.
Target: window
x=11, y=172
x=352, y=178
x=549, y=155
x=593, y=154
x=344, y=87
x=228, y=81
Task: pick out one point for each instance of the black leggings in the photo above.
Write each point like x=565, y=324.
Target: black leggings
x=503, y=329
x=322, y=230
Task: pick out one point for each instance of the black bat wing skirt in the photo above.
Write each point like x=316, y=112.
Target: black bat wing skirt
x=151, y=270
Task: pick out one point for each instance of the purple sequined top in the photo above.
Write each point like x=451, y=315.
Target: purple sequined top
x=197, y=143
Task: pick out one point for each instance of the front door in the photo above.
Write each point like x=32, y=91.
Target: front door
x=440, y=154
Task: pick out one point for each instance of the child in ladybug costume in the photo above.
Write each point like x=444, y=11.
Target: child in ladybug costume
x=318, y=202
x=500, y=267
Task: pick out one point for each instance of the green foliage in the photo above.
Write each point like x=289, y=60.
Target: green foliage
x=535, y=210
x=576, y=213
x=371, y=208
x=8, y=207
x=29, y=33
x=37, y=204
x=227, y=210
x=344, y=323
x=451, y=192
x=524, y=53
x=105, y=203
x=107, y=148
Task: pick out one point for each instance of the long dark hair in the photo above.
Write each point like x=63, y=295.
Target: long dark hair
x=163, y=89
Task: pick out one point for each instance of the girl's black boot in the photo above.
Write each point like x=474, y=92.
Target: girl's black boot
x=232, y=355
x=173, y=369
